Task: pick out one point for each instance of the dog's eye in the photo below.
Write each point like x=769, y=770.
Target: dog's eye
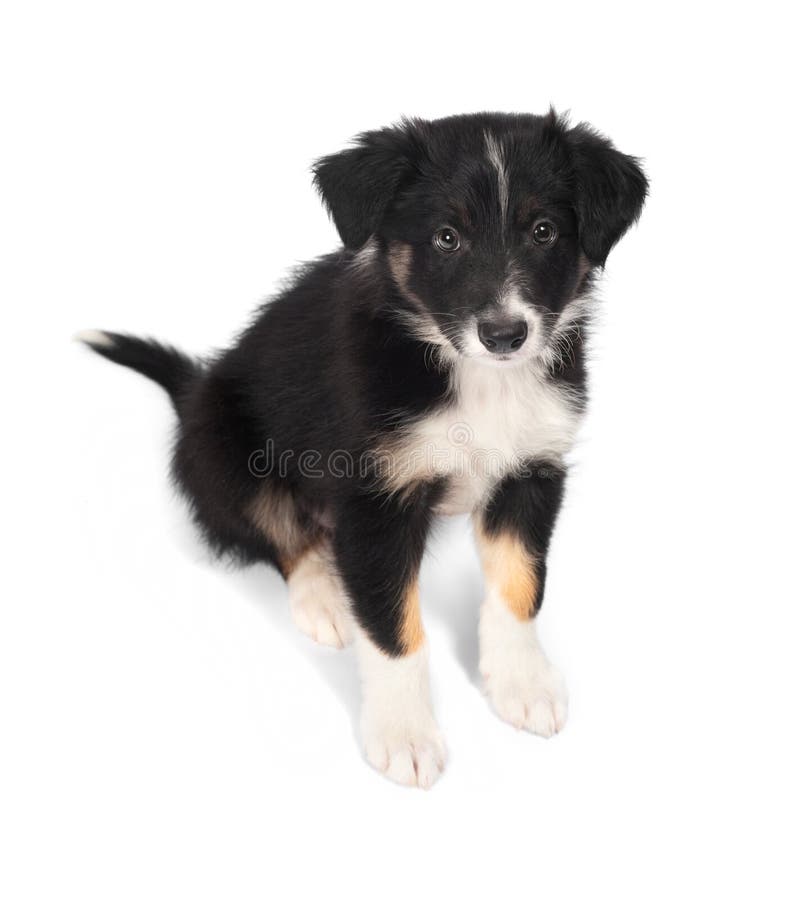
x=544, y=232
x=447, y=240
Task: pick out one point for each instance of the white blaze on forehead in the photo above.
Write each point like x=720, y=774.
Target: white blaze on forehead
x=494, y=153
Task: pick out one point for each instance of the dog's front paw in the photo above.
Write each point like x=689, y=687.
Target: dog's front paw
x=399, y=732
x=413, y=755
x=523, y=687
x=532, y=697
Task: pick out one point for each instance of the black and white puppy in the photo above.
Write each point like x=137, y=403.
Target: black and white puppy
x=433, y=365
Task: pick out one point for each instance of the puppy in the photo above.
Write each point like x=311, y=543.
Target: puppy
x=433, y=365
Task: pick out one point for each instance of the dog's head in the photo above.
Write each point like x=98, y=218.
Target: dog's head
x=489, y=224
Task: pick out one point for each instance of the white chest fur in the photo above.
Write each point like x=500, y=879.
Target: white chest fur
x=498, y=419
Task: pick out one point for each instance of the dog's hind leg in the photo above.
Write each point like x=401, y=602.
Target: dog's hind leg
x=318, y=601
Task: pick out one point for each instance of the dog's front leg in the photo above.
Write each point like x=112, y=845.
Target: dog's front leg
x=513, y=534
x=379, y=543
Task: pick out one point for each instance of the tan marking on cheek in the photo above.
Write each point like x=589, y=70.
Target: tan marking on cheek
x=420, y=320
x=512, y=570
x=399, y=257
x=412, y=634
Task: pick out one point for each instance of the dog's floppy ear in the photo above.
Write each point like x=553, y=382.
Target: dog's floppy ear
x=357, y=184
x=611, y=188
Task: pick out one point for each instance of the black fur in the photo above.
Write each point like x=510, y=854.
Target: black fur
x=165, y=365
x=345, y=358
x=378, y=545
x=611, y=192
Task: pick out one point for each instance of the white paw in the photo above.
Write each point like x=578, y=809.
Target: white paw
x=400, y=736
x=524, y=688
x=532, y=697
x=318, y=602
x=410, y=755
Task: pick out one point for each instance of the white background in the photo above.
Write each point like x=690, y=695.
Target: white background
x=166, y=732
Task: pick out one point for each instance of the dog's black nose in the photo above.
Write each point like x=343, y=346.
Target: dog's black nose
x=503, y=336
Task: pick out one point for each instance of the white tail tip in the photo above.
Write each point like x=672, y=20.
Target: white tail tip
x=94, y=338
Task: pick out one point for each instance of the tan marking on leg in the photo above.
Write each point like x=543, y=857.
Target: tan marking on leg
x=274, y=513
x=318, y=602
x=288, y=566
x=511, y=569
x=412, y=634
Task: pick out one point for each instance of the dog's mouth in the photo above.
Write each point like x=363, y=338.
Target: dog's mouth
x=501, y=360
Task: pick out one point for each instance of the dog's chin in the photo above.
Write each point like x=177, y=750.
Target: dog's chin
x=501, y=360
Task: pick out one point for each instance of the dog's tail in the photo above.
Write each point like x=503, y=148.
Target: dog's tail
x=169, y=367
